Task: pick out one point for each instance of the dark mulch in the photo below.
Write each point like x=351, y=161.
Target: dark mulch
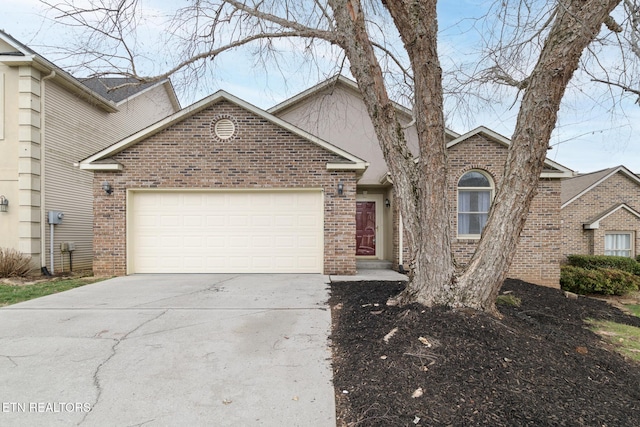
x=538, y=366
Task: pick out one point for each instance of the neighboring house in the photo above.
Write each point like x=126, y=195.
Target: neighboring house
x=49, y=120
x=601, y=213
x=223, y=186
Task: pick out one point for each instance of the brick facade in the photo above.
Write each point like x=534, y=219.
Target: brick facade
x=262, y=155
x=538, y=256
x=608, y=194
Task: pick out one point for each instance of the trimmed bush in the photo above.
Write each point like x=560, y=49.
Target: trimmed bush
x=606, y=281
x=14, y=263
x=605, y=261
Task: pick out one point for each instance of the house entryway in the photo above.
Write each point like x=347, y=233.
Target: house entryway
x=366, y=228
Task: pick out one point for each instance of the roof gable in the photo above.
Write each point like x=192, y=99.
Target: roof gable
x=344, y=82
x=574, y=188
x=126, y=88
x=594, y=223
x=97, y=161
x=551, y=170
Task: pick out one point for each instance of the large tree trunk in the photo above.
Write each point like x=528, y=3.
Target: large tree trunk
x=422, y=186
x=577, y=24
x=423, y=202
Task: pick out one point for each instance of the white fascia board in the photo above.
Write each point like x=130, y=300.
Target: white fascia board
x=347, y=166
x=557, y=175
x=100, y=166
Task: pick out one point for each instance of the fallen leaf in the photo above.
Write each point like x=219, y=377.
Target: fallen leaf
x=383, y=357
x=377, y=312
x=582, y=350
x=419, y=392
x=390, y=334
x=345, y=392
x=226, y=401
x=416, y=420
x=424, y=341
x=295, y=398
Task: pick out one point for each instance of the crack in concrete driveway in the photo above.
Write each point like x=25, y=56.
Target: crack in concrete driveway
x=118, y=341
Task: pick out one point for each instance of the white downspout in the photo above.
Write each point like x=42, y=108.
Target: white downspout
x=43, y=208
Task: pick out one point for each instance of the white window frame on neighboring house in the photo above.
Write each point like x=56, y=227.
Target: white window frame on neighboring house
x=474, y=203
x=617, y=246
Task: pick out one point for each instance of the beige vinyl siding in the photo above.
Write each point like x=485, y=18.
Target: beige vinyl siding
x=74, y=129
x=9, y=158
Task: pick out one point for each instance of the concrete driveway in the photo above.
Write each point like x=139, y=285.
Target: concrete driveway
x=198, y=350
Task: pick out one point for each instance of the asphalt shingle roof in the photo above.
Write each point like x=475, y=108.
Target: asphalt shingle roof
x=102, y=85
x=573, y=186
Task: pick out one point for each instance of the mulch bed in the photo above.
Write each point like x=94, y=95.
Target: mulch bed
x=537, y=366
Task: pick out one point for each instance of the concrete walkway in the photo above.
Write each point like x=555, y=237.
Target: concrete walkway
x=168, y=350
x=372, y=274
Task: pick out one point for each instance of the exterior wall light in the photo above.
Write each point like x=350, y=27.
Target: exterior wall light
x=107, y=187
x=4, y=204
x=387, y=203
x=340, y=188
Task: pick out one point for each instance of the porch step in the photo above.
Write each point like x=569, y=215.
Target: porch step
x=373, y=264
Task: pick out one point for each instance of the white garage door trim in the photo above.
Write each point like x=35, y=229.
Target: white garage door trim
x=225, y=231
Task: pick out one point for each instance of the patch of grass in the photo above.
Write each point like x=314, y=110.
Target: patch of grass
x=634, y=309
x=508, y=299
x=13, y=294
x=625, y=338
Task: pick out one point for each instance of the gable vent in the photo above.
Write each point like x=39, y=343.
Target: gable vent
x=224, y=129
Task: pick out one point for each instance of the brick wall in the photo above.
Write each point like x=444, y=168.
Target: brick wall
x=261, y=155
x=610, y=193
x=538, y=254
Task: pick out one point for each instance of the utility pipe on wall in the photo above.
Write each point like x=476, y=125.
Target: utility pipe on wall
x=51, y=245
x=43, y=186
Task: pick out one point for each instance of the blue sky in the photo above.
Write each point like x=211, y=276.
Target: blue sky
x=590, y=134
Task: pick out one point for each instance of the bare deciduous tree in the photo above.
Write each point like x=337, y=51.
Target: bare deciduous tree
x=535, y=46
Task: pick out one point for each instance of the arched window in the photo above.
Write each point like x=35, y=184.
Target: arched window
x=475, y=192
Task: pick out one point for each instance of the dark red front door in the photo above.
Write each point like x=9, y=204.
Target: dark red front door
x=365, y=228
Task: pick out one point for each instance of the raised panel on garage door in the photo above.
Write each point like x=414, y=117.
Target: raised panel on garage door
x=225, y=232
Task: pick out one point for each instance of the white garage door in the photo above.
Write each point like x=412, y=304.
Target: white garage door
x=225, y=232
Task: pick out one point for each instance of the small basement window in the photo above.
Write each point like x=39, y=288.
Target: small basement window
x=619, y=244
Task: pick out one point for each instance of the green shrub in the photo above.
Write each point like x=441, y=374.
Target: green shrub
x=14, y=263
x=605, y=261
x=606, y=281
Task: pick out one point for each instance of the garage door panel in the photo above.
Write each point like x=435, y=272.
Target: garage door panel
x=204, y=232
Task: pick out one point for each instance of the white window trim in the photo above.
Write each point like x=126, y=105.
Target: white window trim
x=632, y=238
x=492, y=190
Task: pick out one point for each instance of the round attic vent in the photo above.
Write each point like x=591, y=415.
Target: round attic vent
x=224, y=129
